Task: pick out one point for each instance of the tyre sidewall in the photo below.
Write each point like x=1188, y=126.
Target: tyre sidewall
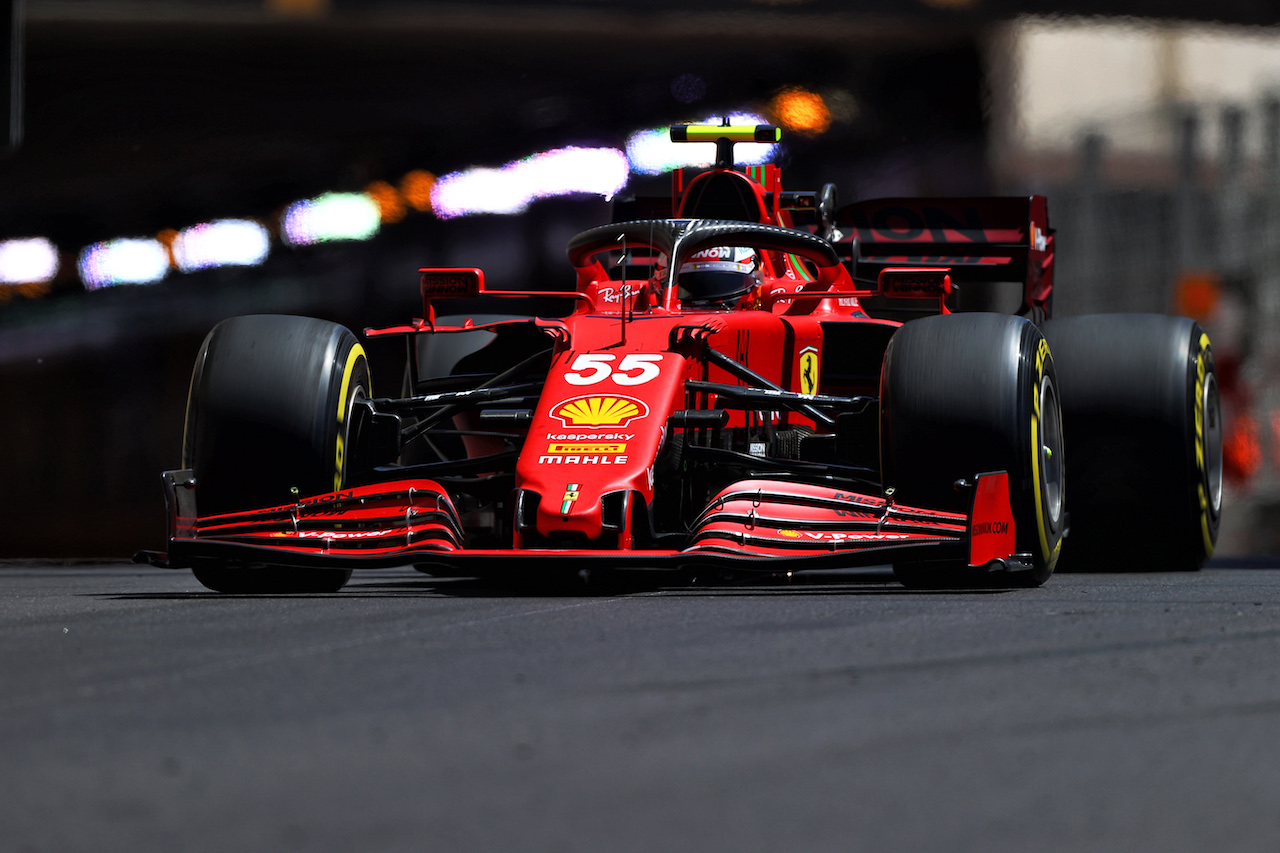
x=1206, y=511
x=1144, y=430
x=961, y=396
x=269, y=408
x=1040, y=516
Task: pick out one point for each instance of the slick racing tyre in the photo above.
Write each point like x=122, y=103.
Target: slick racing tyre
x=965, y=394
x=268, y=413
x=1141, y=413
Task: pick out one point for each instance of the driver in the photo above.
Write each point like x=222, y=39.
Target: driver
x=718, y=276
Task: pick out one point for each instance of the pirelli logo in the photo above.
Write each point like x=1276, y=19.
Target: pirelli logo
x=584, y=447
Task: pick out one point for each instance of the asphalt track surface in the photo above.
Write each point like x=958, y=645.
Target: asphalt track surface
x=1101, y=712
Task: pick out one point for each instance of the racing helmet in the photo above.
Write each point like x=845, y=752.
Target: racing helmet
x=718, y=275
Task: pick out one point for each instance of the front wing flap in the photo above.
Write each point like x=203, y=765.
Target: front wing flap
x=761, y=525
x=382, y=524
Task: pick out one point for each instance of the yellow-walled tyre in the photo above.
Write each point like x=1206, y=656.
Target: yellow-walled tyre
x=267, y=421
x=1144, y=430
x=964, y=394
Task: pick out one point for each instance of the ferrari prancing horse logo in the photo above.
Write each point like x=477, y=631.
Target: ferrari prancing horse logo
x=570, y=495
x=809, y=370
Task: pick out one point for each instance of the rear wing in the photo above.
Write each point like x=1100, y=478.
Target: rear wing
x=977, y=239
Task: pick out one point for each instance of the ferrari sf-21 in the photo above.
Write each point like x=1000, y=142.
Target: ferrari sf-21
x=744, y=380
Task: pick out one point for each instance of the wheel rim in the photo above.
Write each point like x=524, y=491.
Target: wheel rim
x=1051, y=450
x=1212, y=438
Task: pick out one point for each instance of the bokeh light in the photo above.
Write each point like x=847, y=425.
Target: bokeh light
x=223, y=242
x=416, y=187
x=510, y=189
x=1241, y=449
x=330, y=217
x=1197, y=294
x=391, y=206
x=32, y=263
x=801, y=111
x=123, y=261
x=475, y=191
x=28, y=261
x=32, y=290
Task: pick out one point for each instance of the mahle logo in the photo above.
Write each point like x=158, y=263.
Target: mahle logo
x=596, y=411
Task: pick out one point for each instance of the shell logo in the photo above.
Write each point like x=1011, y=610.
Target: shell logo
x=595, y=411
x=790, y=534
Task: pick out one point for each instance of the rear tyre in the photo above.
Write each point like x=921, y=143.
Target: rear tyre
x=1140, y=405
x=269, y=410
x=964, y=394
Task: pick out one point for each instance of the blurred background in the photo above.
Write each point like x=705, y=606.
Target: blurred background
x=172, y=163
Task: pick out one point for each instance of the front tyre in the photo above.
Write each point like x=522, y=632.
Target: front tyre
x=964, y=394
x=1140, y=403
x=267, y=420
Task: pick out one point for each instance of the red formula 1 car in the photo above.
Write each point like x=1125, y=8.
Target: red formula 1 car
x=751, y=380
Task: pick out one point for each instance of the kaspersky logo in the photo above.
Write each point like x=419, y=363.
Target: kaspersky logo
x=599, y=411
x=570, y=495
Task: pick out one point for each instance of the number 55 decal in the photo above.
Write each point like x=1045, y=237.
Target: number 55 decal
x=591, y=368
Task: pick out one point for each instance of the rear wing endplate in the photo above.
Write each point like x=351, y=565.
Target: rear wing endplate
x=977, y=239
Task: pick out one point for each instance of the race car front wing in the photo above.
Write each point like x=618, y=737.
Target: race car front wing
x=759, y=525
